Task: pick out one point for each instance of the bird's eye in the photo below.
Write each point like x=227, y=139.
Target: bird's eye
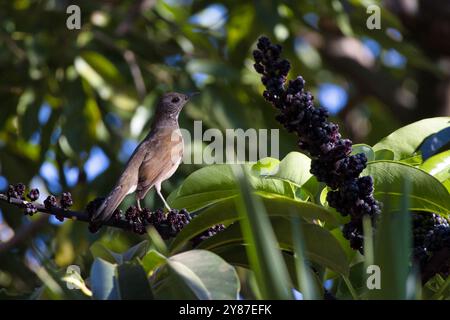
x=175, y=100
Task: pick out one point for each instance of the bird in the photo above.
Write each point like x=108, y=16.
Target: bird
x=153, y=161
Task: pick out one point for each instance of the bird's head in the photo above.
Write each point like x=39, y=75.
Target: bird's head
x=171, y=103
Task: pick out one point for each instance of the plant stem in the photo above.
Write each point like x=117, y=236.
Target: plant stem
x=350, y=288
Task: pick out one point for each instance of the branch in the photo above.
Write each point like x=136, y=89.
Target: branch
x=136, y=220
x=68, y=214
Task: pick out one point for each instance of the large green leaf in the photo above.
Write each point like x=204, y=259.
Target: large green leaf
x=132, y=282
x=320, y=245
x=125, y=281
x=152, y=260
x=405, y=141
x=98, y=250
x=439, y=167
x=204, y=186
x=204, y=273
x=269, y=176
x=427, y=193
x=215, y=183
x=103, y=280
x=225, y=212
x=294, y=168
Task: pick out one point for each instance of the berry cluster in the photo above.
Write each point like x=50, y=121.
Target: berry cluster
x=332, y=162
x=18, y=191
x=168, y=225
x=431, y=234
x=207, y=234
x=65, y=203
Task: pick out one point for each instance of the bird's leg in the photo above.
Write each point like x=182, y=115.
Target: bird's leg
x=138, y=202
x=158, y=191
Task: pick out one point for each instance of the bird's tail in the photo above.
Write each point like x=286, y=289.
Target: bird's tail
x=109, y=205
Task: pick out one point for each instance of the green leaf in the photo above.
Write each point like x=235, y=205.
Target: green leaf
x=204, y=186
x=263, y=253
x=266, y=166
x=133, y=282
x=393, y=242
x=204, y=273
x=215, y=183
x=384, y=154
x=294, y=168
x=320, y=245
x=427, y=193
x=152, y=260
x=405, y=141
x=103, y=66
x=312, y=187
x=438, y=166
x=103, y=282
x=357, y=276
x=98, y=250
x=226, y=212
x=136, y=251
x=306, y=284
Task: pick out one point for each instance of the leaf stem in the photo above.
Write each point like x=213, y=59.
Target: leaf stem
x=350, y=287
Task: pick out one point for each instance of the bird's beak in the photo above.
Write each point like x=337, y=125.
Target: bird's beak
x=192, y=94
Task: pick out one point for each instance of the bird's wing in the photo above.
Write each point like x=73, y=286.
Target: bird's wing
x=161, y=159
x=127, y=183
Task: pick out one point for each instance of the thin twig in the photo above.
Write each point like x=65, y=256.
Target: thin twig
x=136, y=73
x=68, y=214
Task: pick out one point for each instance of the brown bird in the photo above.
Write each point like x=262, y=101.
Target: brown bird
x=155, y=159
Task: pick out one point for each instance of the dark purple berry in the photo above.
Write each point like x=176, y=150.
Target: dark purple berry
x=30, y=209
x=33, y=195
x=117, y=215
x=50, y=202
x=20, y=190
x=66, y=200
x=157, y=217
x=132, y=214
x=11, y=193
